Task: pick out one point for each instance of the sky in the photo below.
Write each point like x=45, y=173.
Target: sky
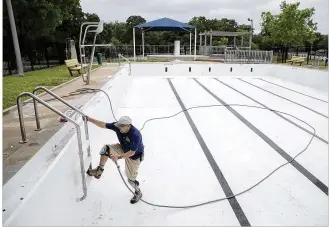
x=184, y=10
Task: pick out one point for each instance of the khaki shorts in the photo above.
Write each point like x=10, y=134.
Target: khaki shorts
x=131, y=167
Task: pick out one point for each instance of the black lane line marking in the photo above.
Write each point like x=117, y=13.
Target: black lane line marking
x=290, y=89
x=284, y=98
x=278, y=149
x=220, y=177
x=297, y=125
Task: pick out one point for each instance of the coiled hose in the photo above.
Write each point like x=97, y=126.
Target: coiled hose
x=207, y=106
x=93, y=90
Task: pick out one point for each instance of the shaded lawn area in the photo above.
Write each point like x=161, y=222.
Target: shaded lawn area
x=304, y=65
x=50, y=77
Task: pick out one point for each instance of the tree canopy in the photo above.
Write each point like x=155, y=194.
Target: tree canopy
x=293, y=26
x=59, y=20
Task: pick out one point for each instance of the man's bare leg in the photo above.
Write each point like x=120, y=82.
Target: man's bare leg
x=103, y=160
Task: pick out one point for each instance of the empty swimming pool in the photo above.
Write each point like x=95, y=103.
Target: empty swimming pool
x=196, y=156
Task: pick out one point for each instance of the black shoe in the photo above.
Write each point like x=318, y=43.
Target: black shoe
x=136, y=198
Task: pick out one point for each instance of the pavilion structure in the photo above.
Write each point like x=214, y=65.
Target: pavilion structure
x=204, y=36
x=165, y=24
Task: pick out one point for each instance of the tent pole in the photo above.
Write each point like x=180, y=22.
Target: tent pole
x=195, y=44
x=134, y=44
x=210, y=48
x=190, y=43
x=143, y=42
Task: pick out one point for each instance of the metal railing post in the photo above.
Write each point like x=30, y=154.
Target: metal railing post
x=21, y=122
x=20, y=115
x=120, y=55
x=63, y=101
x=36, y=114
x=81, y=45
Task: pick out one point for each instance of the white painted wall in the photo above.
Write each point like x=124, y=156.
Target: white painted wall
x=60, y=184
x=316, y=79
x=51, y=198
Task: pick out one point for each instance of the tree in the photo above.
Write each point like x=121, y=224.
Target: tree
x=36, y=18
x=221, y=42
x=154, y=38
x=91, y=17
x=201, y=23
x=70, y=27
x=204, y=24
x=321, y=41
x=227, y=25
x=254, y=46
x=107, y=33
x=244, y=28
x=292, y=26
x=119, y=31
x=36, y=22
x=131, y=22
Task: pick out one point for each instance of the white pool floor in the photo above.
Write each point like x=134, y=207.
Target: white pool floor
x=210, y=153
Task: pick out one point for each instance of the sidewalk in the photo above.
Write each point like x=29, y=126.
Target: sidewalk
x=15, y=155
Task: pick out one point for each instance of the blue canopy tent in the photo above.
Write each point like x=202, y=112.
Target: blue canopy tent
x=165, y=24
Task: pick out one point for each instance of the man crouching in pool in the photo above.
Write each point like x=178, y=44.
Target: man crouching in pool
x=130, y=148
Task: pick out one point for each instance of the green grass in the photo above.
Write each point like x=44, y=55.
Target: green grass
x=50, y=77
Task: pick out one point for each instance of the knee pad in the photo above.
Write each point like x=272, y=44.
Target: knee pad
x=105, y=150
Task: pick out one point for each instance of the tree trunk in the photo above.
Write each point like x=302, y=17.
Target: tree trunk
x=286, y=54
x=282, y=54
x=297, y=51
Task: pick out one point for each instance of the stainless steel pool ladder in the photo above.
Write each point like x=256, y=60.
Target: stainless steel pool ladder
x=127, y=60
x=99, y=28
x=23, y=133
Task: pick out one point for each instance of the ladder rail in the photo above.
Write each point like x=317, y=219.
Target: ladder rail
x=84, y=55
x=36, y=111
x=20, y=115
x=120, y=55
x=91, y=60
x=81, y=45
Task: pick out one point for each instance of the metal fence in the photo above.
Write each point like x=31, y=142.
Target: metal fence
x=37, y=56
x=248, y=56
x=41, y=55
x=315, y=56
x=110, y=54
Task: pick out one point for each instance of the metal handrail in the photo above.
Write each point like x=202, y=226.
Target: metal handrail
x=20, y=115
x=120, y=55
x=81, y=27
x=82, y=52
x=63, y=101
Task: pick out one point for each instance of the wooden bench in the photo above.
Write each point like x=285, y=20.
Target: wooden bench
x=74, y=65
x=296, y=59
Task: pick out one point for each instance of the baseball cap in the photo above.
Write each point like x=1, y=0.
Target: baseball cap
x=124, y=120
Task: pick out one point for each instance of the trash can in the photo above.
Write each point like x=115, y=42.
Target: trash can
x=99, y=58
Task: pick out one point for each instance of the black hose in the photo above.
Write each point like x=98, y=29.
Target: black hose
x=207, y=106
